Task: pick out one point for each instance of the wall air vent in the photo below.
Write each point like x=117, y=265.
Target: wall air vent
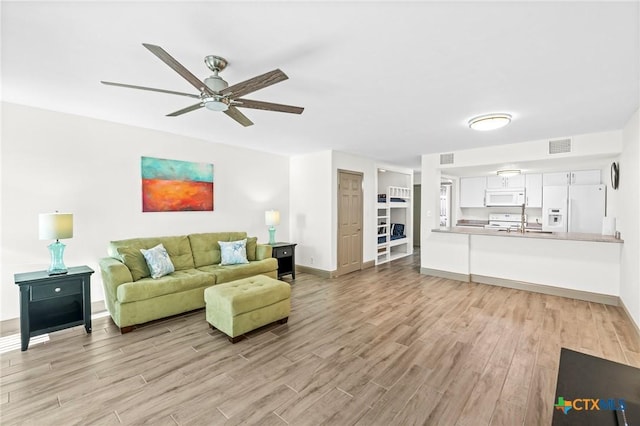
x=559, y=146
x=446, y=158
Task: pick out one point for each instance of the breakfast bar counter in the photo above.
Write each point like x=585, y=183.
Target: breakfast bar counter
x=530, y=233
x=581, y=266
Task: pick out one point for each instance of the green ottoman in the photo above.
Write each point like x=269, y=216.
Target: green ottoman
x=244, y=305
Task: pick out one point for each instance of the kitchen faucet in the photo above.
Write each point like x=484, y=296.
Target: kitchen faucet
x=522, y=219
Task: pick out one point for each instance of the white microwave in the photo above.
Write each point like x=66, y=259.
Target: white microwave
x=504, y=197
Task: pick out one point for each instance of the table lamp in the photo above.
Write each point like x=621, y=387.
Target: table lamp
x=56, y=226
x=272, y=218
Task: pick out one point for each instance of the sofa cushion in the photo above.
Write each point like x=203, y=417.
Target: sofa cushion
x=227, y=273
x=179, y=281
x=128, y=251
x=252, y=245
x=205, y=247
x=158, y=261
x=233, y=252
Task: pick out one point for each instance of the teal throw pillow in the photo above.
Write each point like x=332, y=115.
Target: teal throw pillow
x=158, y=261
x=233, y=252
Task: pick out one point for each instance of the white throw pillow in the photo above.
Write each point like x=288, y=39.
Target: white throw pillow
x=158, y=261
x=233, y=252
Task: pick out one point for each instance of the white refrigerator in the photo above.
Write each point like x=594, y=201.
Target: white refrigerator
x=573, y=208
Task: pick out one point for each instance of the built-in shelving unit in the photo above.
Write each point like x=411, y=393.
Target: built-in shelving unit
x=394, y=215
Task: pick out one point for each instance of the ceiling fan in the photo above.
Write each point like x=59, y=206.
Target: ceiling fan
x=215, y=93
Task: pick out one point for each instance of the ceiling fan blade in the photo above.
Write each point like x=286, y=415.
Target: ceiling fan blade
x=268, y=106
x=151, y=89
x=185, y=110
x=238, y=116
x=178, y=67
x=255, y=83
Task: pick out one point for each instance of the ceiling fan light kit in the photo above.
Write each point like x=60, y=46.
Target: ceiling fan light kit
x=489, y=121
x=215, y=92
x=215, y=104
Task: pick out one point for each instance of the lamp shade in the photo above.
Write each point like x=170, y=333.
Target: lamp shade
x=272, y=217
x=55, y=226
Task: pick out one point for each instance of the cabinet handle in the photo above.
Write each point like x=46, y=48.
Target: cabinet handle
x=57, y=289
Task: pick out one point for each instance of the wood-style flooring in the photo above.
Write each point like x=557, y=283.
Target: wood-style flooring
x=384, y=346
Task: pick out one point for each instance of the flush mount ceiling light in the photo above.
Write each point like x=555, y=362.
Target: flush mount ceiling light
x=507, y=173
x=489, y=121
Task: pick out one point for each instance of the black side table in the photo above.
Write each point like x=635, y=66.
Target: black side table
x=51, y=303
x=286, y=255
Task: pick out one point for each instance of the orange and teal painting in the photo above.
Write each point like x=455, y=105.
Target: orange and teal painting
x=173, y=185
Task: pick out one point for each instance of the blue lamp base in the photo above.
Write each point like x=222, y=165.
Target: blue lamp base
x=272, y=235
x=57, y=265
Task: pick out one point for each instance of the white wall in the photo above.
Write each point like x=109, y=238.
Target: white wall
x=311, y=209
x=582, y=146
x=366, y=166
x=91, y=168
x=430, y=211
x=314, y=192
x=556, y=263
x=629, y=216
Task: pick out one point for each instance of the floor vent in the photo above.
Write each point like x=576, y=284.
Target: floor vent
x=446, y=158
x=559, y=146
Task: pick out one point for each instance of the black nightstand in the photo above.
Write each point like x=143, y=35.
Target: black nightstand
x=286, y=255
x=51, y=303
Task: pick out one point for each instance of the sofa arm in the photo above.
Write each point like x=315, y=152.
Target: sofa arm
x=113, y=273
x=263, y=251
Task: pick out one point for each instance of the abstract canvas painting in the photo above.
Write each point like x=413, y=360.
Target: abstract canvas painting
x=173, y=185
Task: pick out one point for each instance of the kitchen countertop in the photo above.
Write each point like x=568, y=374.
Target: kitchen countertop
x=534, y=233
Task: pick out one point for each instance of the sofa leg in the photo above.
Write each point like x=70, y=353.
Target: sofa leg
x=235, y=339
x=211, y=326
x=283, y=320
x=127, y=329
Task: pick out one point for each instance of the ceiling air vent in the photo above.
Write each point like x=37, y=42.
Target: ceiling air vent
x=446, y=158
x=559, y=146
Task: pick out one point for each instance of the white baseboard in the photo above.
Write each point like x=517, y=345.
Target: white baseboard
x=626, y=311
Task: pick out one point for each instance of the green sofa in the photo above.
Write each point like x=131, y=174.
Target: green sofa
x=132, y=297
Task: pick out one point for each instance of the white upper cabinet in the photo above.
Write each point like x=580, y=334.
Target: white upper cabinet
x=533, y=189
x=504, y=182
x=494, y=182
x=472, y=191
x=579, y=177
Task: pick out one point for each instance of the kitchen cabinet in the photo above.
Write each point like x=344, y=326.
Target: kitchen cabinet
x=505, y=182
x=533, y=190
x=472, y=191
x=576, y=177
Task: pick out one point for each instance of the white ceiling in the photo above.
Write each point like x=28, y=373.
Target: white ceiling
x=385, y=80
